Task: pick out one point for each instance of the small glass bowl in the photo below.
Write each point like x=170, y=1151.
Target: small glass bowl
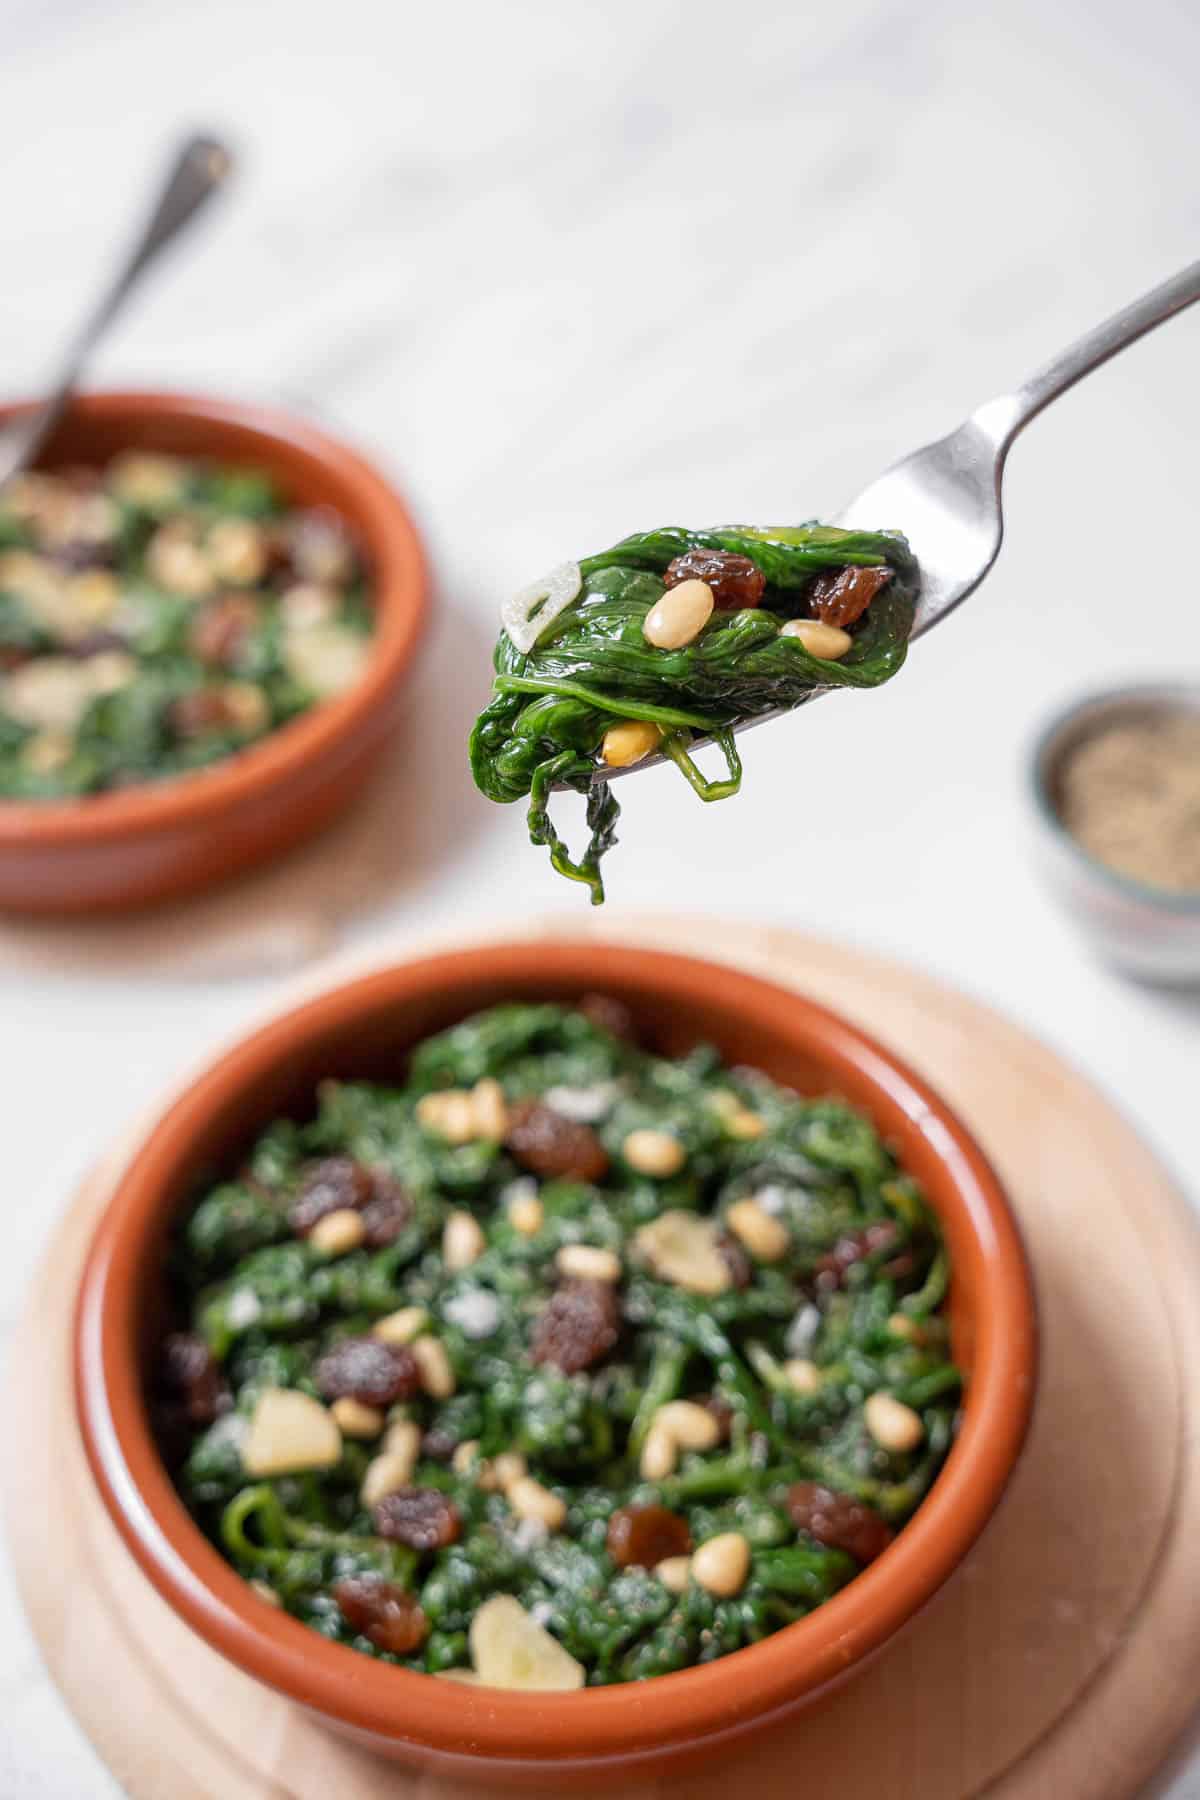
x=1145, y=931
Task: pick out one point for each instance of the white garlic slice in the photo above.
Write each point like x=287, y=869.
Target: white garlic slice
x=528, y=613
x=511, y=1650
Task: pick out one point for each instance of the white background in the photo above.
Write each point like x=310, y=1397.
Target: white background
x=571, y=272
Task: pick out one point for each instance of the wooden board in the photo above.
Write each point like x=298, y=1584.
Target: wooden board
x=1059, y=1663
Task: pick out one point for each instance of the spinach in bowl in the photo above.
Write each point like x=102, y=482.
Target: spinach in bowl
x=562, y=1363
x=675, y=634
x=158, y=615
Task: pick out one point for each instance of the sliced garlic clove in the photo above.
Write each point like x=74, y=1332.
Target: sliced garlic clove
x=684, y=1248
x=511, y=1650
x=530, y=612
x=290, y=1431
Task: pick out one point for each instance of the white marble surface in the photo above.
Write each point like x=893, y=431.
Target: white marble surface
x=573, y=271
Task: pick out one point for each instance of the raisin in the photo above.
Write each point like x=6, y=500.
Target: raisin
x=646, y=1536
x=382, y=1612
x=439, y=1444
x=735, y=580
x=12, y=658
x=329, y=1186
x=741, y=1269
x=367, y=1369
x=840, y=599
x=196, y=714
x=609, y=1015
x=838, y=1521
x=422, y=1518
x=94, y=643
x=386, y=1213
x=542, y=1141
x=832, y=1268
x=222, y=628
x=191, y=1375
x=578, y=1326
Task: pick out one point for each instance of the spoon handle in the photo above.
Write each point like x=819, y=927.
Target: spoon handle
x=1004, y=417
x=198, y=170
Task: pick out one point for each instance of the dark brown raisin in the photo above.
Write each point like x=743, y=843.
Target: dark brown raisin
x=422, y=1518
x=12, y=658
x=646, y=1535
x=840, y=599
x=839, y=1521
x=329, y=1186
x=741, y=1269
x=367, y=1369
x=197, y=714
x=610, y=1015
x=735, y=580
x=192, y=1376
x=387, y=1212
x=577, y=1327
x=221, y=629
x=550, y=1146
x=379, y=1610
x=857, y=1246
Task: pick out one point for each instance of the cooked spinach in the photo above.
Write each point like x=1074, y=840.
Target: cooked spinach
x=592, y=665
x=543, y=1239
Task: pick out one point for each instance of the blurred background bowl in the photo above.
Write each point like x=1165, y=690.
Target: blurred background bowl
x=1146, y=931
x=159, y=840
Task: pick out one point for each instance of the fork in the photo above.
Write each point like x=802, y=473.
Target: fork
x=198, y=169
x=946, y=497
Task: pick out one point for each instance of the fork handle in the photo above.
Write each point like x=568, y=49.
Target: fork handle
x=1004, y=417
x=199, y=167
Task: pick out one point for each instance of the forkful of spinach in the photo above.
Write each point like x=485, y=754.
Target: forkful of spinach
x=677, y=638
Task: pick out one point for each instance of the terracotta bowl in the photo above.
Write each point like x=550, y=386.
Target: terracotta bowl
x=366, y=1029
x=163, y=839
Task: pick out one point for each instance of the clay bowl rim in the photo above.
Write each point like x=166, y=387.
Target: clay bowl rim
x=600, y=1725
x=401, y=596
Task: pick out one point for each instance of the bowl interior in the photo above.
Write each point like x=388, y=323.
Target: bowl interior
x=367, y=1029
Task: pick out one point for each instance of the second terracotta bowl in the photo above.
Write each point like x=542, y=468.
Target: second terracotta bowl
x=366, y=1029
x=155, y=841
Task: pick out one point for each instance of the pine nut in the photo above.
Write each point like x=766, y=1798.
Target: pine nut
x=684, y=1248
x=401, y=1327
x=468, y=1677
x=585, y=1262
x=628, y=742
x=338, y=1232
x=402, y=1440
x=692, y=1427
x=765, y=1237
x=385, y=1474
x=491, y=1113
x=437, y=1375
x=893, y=1425
x=247, y=707
x=654, y=1152
x=722, y=1564
x=466, y=1457
x=266, y=1592
x=802, y=1375
x=530, y=1500
x=463, y=1241
x=674, y=1572
x=679, y=616
x=449, y=1114
x=526, y=1214
x=902, y=1326
x=659, y=1455
x=289, y=1431
x=829, y=642
x=745, y=1124
x=356, y=1420
x=506, y=1468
